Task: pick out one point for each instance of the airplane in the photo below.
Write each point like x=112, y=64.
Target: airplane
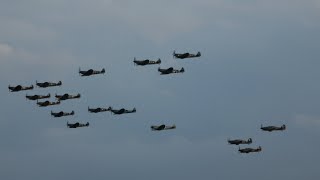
x=19, y=88
x=91, y=72
x=36, y=97
x=170, y=70
x=77, y=124
x=185, y=55
x=240, y=141
x=146, y=62
x=61, y=113
x=121, y=111
x=249, y=150
x=48, y=84
x=273, y=128
x=162, y=127
x=47, y=103
x=67, y=96
x=96, y=110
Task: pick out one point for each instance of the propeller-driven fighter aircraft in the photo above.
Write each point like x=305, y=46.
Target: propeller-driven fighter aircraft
x=77, y=124
x=91, y=72
x=170, y=70
x=96, y=110
x=121, y=111
x=145, y=62
x=19, y=88
x=48, y=84
x=185, y=55
x=67, y=96
x=47, y=103
x=61, y=113
x=273, y=128
x=162, y=127
x=240, y=141
x=36, y=97
x=249, y=150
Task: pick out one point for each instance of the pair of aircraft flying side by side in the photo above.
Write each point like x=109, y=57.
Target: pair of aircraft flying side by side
x=249, y=141
x=114, y=111
x=169, y=70
x=244, y=150
x=41, y=85
x=51, y=103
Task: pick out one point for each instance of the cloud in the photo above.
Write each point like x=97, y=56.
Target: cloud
x=306, y=120
x=5, y=50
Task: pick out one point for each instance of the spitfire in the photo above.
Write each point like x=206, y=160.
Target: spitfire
x=77, y=124
x=162, y=127
x=97, y=110
x=48, y=84
x=240, y=141
x=273, y=128
x=19, y=88
x=249, y=150
x=67, y=96
x=170, y=71
x=91, y=72
x=61, y=113
x=146, y=62
x=121, y=111
x=47, y=103
x=185, y=55
x=36, y=97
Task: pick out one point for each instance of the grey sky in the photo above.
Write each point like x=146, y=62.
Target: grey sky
x=260, y=65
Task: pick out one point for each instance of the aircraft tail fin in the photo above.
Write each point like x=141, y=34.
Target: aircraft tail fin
x=283, y=127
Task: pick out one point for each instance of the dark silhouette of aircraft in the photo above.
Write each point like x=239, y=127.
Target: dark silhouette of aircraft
x=61, y=113
x=91, y=72
x=36, y=97
x=249, y=150
x=48, y=84
x=47, y=103
x=170, y=70
x=96, y=110
x=67, y=96
x=240, y=141
x=273, y=128
x=19, y=88
x=185, y=55
x=162, y=127
x=121, y=111
x=145, y=62
x=77, y=124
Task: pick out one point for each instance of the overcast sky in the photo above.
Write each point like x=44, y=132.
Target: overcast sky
x=259, y=65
